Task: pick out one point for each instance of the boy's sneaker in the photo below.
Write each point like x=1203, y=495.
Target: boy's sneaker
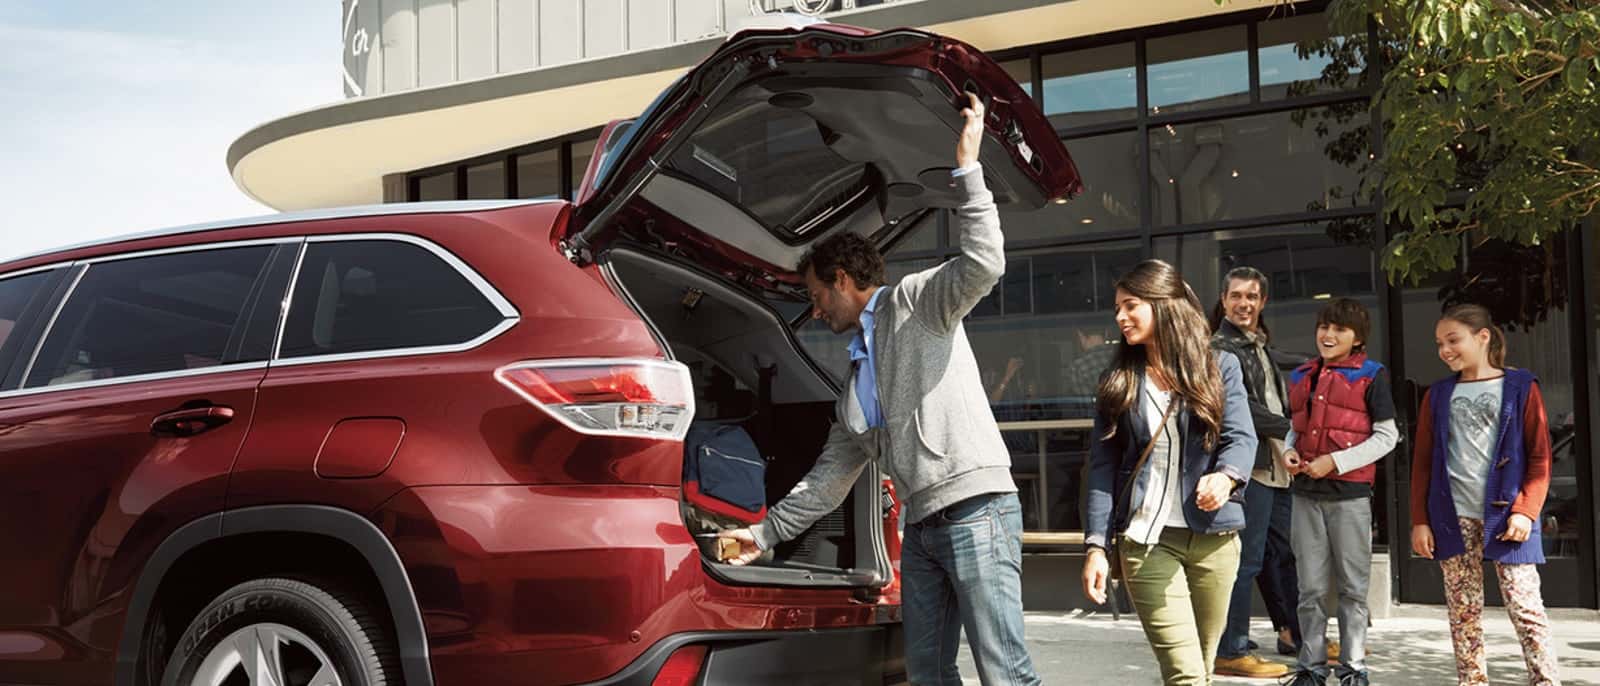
x=1302, y=677
x=1251, y=666
x=1354, y=678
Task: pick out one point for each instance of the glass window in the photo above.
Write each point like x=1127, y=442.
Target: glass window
x=357, y=296
x=1299, y=56
x=1199, y=70
x=441, y=186
x=1021, y=72
x=15, y=294
x=1110, y=197
x=486, y=181
x=581, y=152
x=1278, y=163
x=1040, y=354
x=147, y=315
x=1306, y=265
x=1526, y=290
x=1090, y=86
x=539, y=174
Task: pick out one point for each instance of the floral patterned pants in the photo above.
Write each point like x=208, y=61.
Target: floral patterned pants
x=1519, y=586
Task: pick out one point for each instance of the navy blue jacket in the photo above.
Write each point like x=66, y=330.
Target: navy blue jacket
x=1518, y=481
x=1111, y=461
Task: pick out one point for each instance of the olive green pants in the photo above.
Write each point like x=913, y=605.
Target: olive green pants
x=1181, y=587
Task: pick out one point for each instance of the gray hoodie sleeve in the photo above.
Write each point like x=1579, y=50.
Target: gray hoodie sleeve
x=940, y=297
x=820, y=492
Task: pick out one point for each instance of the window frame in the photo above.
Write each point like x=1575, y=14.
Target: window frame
x=509, y=314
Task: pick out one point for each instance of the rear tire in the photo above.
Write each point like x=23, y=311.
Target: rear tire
x=285, y=632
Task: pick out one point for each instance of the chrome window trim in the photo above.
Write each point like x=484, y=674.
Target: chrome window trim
x=137, y=378
x=196, y=247
x=50, y=325
x=382, y=210
x=509, y=314
x=35, y=270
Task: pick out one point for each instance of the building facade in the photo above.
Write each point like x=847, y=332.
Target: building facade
x=1212, y=137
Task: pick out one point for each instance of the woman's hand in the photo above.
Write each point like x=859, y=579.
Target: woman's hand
x=1213, y=492
x=1518, y=528
x=1096, y=570
x=1422, y=541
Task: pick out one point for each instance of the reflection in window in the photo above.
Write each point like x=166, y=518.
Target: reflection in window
x=581, y=152
x=1090, y=86
x=1199, y=70
x=1299, y=57
x=1285, y=162
x=15, y=294
x=1306, y=267
x=539, y=174
x=1022, y=73
x=441, y=186
x=1040, y=354
x=486, y=181
x=1109, y=201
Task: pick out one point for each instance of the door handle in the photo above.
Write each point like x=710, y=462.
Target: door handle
x=191, y=421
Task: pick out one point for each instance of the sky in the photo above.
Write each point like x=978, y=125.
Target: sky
x=116, y=116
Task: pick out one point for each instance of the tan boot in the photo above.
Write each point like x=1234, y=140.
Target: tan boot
x=1249, y=666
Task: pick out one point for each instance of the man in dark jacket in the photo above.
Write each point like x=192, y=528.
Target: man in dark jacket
x=1265, y=557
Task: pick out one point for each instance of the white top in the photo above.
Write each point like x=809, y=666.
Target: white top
x=1163, y=494
x=1474, y=431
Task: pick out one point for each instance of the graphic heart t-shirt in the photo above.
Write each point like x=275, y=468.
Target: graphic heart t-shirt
x=1474, y=432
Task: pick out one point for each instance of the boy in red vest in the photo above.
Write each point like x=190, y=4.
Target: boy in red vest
x=1342, y=423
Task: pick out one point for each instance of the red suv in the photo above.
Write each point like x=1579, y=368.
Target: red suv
x=443, y=443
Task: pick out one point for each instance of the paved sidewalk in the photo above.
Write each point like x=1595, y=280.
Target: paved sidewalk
x=1412, y=647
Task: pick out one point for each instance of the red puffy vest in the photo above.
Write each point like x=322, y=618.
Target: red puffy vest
x=1337, y=417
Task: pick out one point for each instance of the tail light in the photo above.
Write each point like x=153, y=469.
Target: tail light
x=639, y=398
x=682, y=667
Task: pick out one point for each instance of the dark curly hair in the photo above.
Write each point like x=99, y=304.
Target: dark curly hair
x=1349, y=314
x=851, y=252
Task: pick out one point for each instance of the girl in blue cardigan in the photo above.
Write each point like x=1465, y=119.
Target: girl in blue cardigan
x=1479, y=475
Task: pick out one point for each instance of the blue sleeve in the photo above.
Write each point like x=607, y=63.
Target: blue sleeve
x=1102, y=478
x=1236, y=446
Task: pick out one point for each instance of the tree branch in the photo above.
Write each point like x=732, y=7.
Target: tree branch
x=1515, y=8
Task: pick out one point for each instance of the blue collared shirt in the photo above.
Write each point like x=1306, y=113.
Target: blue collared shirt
x=866, y=363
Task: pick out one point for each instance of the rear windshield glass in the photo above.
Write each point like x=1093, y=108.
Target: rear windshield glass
x=774, y=163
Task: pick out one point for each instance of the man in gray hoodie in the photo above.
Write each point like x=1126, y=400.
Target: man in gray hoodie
x=916, y=406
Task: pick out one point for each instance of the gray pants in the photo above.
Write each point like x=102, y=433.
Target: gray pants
x=1332, y=541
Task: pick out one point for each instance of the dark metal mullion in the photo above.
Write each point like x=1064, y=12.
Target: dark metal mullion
x=461, y=181
x=1036, y=71
x=1253, y=41
x=511, y=176
x=1094, y=129
x=1146, y=199
x=564, y=168
x=1581, y=244
x=1399, y=499
x=1268, y=107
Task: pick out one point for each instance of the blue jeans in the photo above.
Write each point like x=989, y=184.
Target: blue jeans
x=961, y=568
x=1265, y=560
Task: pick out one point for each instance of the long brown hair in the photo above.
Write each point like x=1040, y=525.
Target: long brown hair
x=1183, y=341
x=1477, y=318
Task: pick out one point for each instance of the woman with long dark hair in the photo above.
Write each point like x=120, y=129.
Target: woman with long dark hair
x=1170, y=455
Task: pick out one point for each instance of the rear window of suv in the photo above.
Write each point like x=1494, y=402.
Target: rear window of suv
x=362, y=296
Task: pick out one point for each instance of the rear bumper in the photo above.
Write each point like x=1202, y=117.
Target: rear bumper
x=869, y=656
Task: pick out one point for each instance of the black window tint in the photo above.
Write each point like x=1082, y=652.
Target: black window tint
x=149, y=314
x=15, y=294
x=357, y=296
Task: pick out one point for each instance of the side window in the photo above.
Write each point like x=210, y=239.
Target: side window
x=15, y=294
x=367, y=295
x=147, y=315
